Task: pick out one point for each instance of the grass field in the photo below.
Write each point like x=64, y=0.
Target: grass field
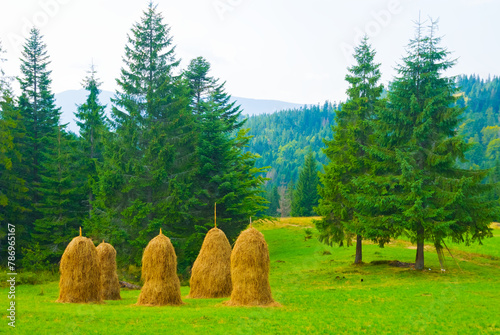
x=319, y=288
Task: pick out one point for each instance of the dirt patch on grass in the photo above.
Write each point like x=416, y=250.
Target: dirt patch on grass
x=394, y=263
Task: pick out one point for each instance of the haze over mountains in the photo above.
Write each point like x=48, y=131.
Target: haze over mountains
x=68, y=100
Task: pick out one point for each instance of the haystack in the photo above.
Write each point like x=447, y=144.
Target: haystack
x=211, y=272
x=109, y=278
x=159, y=272
x=250, y=271
x=80, y=275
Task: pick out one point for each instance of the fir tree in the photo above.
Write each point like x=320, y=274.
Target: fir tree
x=347, y=154
x=40, y=121
x=226, y=173
x=417, y=185
x=93, y=127
x=305, y=197
x=144, y=182
x=39, y=113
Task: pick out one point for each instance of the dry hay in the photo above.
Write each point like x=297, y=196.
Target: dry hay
x=211, y=272
x=250, y=271
x=109, y=278
x=159, y=272
x=80, y=275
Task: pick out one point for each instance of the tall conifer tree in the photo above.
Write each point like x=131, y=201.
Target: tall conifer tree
x=418, y=186
x=144, y=182
x=347, y=153
x=93, y=125
x=226, y=174
x=38, y=148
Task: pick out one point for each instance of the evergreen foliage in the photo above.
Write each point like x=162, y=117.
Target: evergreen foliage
x=305, y=196
x=46, y=162
x=148, y=159
x=416, y=185
x=226, y=174
x=273, y=198
x=93, y=125
x=347, y=154
x=13, y=191
x=283, y=139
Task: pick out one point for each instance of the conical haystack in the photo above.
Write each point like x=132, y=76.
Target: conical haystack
x=250, y=271
x=109, y=278
x=211, y=272
x=80, y=275
x=159, y=272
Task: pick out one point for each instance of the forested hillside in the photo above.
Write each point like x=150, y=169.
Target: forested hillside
x=481, y=119
x=283, y=139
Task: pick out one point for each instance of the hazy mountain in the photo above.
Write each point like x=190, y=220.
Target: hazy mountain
x=68, y=100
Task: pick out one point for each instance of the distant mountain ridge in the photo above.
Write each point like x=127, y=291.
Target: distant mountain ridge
x=68, y=101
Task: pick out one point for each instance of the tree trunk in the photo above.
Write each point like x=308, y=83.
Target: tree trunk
x=359, y=250
x=419, y=260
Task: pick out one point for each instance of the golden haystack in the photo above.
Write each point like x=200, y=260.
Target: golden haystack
x=211, y=272
x=80, y=275
x=109, y=278
x=250, y=271
x=159, y=272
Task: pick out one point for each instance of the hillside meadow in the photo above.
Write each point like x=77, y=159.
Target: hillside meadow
x=321, y=292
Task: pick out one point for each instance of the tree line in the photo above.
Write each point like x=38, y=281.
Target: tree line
x=408, y=159
x=173, y=147
x=396, y=163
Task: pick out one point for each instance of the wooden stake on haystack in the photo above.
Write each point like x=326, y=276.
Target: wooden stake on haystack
x=215, y=215
x=160, y=231
x=80, y=231
x=250, y=222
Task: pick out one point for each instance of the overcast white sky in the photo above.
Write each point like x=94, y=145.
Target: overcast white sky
x=291, y=50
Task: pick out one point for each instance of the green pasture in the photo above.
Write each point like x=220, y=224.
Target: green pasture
x=321, y=292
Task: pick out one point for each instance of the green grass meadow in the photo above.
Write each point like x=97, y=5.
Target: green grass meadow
x=321, y=292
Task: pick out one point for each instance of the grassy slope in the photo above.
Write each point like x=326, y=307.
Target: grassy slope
x=304, y=280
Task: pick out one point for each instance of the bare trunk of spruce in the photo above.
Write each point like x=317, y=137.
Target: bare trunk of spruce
x=359, y=251
x=419, y=260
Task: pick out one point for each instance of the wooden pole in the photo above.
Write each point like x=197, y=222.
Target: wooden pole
x=215, y=215
x=80, y=231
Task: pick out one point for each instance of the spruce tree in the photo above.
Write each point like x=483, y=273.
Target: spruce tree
x=149, y=160
x=306, y=196
x=38, y=148
x=39, y=113
x=226, y=174
x=347, y=154
x=93, y=123
x=418, y=185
